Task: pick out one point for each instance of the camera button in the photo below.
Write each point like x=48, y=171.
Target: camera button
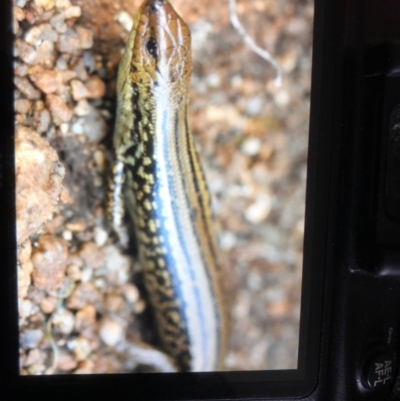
x=379, y=371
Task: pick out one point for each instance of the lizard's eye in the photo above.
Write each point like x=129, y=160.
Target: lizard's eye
x=152, y=48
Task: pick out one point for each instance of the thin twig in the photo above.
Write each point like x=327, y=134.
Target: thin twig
x=54, y=347
x=250, y=42
x=62, y=293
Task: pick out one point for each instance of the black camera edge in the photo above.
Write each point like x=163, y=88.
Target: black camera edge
x=349, y=334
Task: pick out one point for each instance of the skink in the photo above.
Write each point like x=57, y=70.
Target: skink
x=158, y=178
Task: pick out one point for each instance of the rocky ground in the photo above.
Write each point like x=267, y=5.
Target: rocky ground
x=81, y=302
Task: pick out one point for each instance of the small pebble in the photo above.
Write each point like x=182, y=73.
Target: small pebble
x=15, y=25
x=79, y=90
x=214, y=80
x=125, y=20
x=22, y=106
x=76, y=226
x=63, y=4
x=36, y=369
x=114, y=303
x=39, y=34
x=20, y=3
x=96, y=87
x=92, y=125
x=66, y=362
x=36, y=295
x=45, y=4
x=227, y=240
x=100, y=283
x=47, y=81
x=266, y=153
x=85, y=37
x=24, y=279
x=60, y=111
x=25, y=52
x=80, y=347
x=254, y=281
x=31, y=338
x=67, y=235
x=34, y=357
x=66, y=288
x=42, y=120
x=84, y=293
x=85, y=367
x=19, y=13
x=86, y=274
x=236, y=81
x=117, y=265
x=82, y=108
x=139, y=306
x=100, y=160
x=300, y=226
x=131, y=293
x=20, y=69
x=92, y=255
x=255, y=105
x=45, y=54
x=98, y=181
x=58, y=23
x=80, y=70
x=25, y=252
x=297, y=26
x=61, y=64
x=74, y=272
x=89, y=61
x=78, y=127
x=69, y=42
x=288, y=60
x=241, y=309
x=39, y=105
x=275, y=294
x=48, y=305
x=26, y=88
x=251, y=146
x=282, y=98
x=72, y=12
x=279, y=309
x=259, y=210
x=100, y=236
x=66, y=76
x=65, y=129
x=63, y=321
x=111, y=332
x=85, y=318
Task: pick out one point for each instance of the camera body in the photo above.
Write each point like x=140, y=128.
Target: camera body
x=349, y=336
x=362, y=282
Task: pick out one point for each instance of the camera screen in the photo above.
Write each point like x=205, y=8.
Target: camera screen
x=160, y=216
